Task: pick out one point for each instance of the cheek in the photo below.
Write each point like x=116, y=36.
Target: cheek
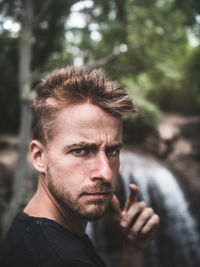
x=60, y=168
x=114, y=164
x=71, y=172
x=115, y=168
x=89, y=165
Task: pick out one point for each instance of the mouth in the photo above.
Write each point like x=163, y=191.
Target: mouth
x=97, y=195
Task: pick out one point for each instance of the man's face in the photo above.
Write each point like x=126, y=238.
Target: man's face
x=83, y=160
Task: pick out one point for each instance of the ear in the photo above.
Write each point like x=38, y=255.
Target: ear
x=37, y=154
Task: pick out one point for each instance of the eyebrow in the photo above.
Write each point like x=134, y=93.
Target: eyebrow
x=117, y=145
x=92, y=145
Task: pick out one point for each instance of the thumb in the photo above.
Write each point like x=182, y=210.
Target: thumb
x=116, y=208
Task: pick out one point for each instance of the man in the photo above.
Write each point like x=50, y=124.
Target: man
x=77, y=137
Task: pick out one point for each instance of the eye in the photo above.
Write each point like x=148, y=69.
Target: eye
x=112, y=151
x=78, y=152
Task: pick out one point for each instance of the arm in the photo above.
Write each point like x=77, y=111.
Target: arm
x=138, y=225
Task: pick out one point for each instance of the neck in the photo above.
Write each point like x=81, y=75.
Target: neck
x=43, y=204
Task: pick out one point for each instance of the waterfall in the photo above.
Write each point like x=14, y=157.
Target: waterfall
x=177, y=243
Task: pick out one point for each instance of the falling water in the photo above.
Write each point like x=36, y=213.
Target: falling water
x=177, y=243
x=158, y=183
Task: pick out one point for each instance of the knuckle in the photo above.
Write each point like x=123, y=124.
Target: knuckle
x=150, y=225
x=150, y=211
x=123, y=213
x=156, y=219
x=145, y=230
x=134, y=231
x=126, y=219
x=147, y=213
x=143, y=216
x=142, y=205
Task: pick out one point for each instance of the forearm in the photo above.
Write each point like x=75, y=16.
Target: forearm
x=132, y=257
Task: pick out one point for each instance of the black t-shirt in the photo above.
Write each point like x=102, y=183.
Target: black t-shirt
x=41, y=242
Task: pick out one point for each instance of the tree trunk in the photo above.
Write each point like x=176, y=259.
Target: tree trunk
x=22, y=166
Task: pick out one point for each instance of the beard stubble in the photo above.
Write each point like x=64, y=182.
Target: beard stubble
x=89, y=210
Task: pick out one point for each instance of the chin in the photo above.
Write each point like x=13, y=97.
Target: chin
x=94, y=214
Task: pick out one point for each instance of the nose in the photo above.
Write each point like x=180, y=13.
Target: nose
x=102, y=170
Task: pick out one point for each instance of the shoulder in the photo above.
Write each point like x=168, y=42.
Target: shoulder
x=42, y=242
x=25, y=245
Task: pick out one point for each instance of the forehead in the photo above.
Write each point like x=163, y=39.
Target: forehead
x=87, y=122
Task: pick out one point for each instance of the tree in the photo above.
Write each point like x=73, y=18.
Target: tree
x=147, y=43
x=25, y=13
x=143, y=44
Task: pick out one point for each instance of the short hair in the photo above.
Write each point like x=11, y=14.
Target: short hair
x=75, y=85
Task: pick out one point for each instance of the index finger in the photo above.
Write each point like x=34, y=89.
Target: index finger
x=133, y=196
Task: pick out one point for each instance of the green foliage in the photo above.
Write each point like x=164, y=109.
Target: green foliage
x=49, y=48
x=145, y=44
x=158, y=49
x=144, y=122
x=9, y=95
x=147, y=111
x=48, y=52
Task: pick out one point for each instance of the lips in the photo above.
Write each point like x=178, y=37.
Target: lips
x=96, y=195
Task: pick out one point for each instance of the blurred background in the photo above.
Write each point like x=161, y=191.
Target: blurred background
x=150, y=46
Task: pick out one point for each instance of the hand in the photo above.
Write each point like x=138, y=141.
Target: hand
x=137, y=222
